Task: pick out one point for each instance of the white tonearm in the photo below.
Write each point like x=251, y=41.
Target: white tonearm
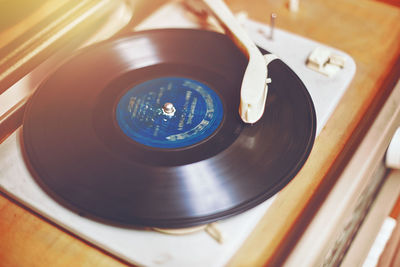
x=254, y=88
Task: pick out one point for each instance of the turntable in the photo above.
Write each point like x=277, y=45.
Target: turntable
x=116, y=230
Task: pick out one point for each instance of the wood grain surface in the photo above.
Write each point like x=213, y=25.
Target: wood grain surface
x=367, y=30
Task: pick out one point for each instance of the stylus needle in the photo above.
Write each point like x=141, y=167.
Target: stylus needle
x=254, y=89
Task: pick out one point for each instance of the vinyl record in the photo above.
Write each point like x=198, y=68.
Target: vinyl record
x=144, y=130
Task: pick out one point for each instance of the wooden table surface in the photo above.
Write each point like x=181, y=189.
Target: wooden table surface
x=367, y=30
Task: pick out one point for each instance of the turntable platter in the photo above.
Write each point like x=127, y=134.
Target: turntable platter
x=101, y=138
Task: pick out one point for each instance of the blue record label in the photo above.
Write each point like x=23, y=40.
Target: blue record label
x=169, y=112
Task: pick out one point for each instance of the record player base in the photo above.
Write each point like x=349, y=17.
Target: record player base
x=151, y=248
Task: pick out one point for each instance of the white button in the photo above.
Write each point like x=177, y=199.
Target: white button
x=393, y=151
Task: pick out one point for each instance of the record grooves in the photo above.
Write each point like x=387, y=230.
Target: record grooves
x=88, y=131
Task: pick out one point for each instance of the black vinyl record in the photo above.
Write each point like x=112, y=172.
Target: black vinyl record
x=88, y=131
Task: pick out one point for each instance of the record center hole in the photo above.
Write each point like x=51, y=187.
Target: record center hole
x=169, y=109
